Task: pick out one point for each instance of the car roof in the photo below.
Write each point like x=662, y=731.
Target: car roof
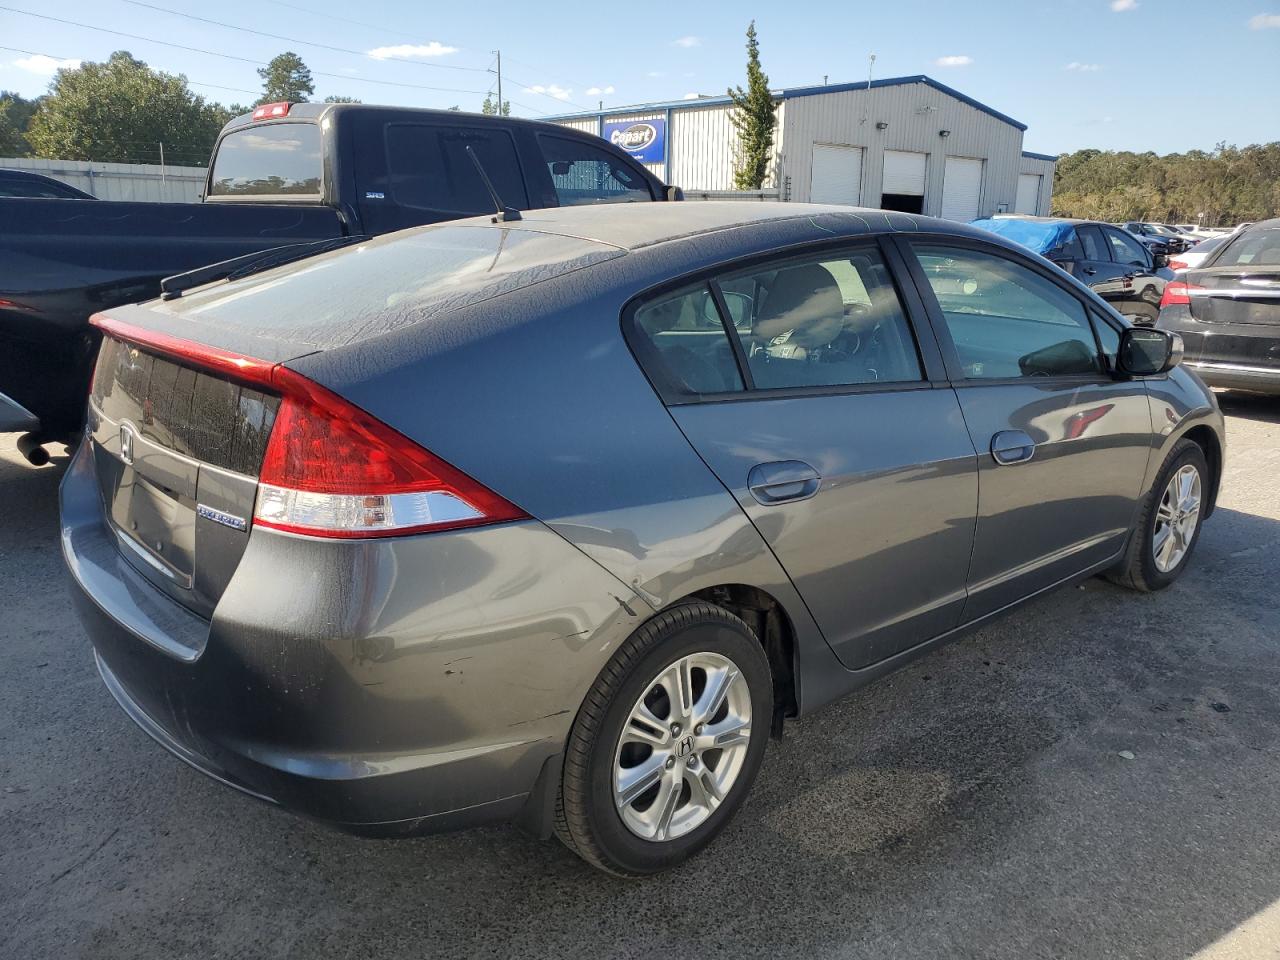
x=645, y=224
x=1027, y=216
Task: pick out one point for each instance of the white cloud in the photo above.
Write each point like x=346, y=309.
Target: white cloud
x=409, y=50
x=954, y=61
x=45, y=66
x=1083, y=67
x=1120, y=6
x=1265, y=21
x=599, y=91
x=655, y=73
x=690, y=96
x=687, y=42
x=551, y=90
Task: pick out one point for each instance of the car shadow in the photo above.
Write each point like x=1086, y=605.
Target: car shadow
x=1092, y=775
x=1260, y=407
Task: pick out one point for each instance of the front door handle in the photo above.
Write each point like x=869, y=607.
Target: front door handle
x=1012, y=446
x=783, y=481
x=1088, y=271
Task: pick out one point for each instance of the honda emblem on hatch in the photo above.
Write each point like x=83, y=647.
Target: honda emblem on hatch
x=126, y=443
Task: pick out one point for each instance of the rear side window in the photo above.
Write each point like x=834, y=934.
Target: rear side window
x=1091, y=240
x=274, y=159
x=1253, y=248
x=828, y=321
x=685, y=346
x=428, y=167
x=584, y=173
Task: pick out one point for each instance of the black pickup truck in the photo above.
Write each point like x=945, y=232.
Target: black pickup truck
x=283, y=176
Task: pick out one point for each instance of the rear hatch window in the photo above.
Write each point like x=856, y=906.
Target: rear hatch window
x=177, y=452
x=268, y=160
x=385, y=284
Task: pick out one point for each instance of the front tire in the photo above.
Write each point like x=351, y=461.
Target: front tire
x=1168, y=527
x=667, y=743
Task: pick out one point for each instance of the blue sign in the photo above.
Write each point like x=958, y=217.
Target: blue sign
x=645, y=140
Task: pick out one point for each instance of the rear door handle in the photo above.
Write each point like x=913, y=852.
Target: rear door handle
x=783, y=481
x=1012, y=446
x=1090, y=271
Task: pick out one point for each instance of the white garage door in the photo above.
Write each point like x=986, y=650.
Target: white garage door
x=837, y=174
x=1028, y=200
x=961, y=189
x=903, y=173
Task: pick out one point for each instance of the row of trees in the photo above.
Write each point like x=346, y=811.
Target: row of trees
x=1225, y=186
x=122, y=111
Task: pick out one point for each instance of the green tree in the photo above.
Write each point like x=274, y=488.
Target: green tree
x=121, y=111
x=285, y=77
x=490, y=107
x=338, y=98
x=15, y=114
x=754, y=118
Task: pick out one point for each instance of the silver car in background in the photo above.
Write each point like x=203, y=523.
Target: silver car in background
x=556, y=520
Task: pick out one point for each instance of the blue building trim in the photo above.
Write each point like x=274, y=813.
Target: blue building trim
x=1039, y=156
x=814, y=91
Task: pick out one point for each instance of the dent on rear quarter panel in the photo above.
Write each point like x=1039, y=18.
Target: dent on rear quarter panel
x=536, y=395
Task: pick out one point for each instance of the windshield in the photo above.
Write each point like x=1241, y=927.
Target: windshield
x=273, y=159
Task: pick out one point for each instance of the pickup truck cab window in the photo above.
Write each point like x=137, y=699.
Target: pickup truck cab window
x=583, y=173
x=270, y=159
x=428, y=166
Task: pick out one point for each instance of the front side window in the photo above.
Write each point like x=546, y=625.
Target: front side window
x=1125, y=249
x=826, y=321
x=274, y=159
x=584, y=173
x=684, y=345
x=429, y=167
x=1005, y=319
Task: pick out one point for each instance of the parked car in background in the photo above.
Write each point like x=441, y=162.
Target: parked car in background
x=287, y=180
x=558, y=519
x=1105, y=258
x=1196, y=255
x=1158, y=231
x=1227, y=310
x=24, y=183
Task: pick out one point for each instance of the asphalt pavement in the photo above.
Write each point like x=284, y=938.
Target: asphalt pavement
x=1096, y=776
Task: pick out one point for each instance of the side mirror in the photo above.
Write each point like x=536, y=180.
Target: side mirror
x=675, y=193
x=1159, y=260
x=1145, y=352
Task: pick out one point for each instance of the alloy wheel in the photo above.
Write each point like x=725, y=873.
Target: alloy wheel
x=1176, y=519
x=682, y=747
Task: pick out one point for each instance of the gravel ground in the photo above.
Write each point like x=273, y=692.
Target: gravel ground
x=981, y=803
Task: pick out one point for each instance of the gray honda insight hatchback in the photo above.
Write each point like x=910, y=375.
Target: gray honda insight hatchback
x=557, y=520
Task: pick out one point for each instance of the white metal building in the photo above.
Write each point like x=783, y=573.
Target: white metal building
x=904, y=143
x=119, y=181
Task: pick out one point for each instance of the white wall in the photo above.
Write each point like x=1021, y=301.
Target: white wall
x=119, y=181
x=1045, y=169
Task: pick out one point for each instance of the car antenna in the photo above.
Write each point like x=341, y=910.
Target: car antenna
x=505, y=214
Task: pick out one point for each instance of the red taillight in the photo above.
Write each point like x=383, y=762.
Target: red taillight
x=1177, y=293
x=1177, y=265
x=331, y=469
x=270, y=111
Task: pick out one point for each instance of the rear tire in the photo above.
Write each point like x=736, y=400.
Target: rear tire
x=1168, y=526
x=650, y=778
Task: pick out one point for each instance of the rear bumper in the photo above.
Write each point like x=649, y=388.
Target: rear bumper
x=1232, y=376
x=408, y=685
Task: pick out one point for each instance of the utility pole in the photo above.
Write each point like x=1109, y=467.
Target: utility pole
x=498, y=54
x=162, y=161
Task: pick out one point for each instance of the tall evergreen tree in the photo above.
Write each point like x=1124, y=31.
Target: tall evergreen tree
x=754, y=118
x=285, y=77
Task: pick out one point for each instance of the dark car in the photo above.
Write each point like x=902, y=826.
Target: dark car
x=1099, y=255
x=1228, y=311
x=1174, y=239
x=285, y=176
x=24, y=183
x=558, y=519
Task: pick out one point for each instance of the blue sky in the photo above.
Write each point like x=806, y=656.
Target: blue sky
x=1116, y=74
